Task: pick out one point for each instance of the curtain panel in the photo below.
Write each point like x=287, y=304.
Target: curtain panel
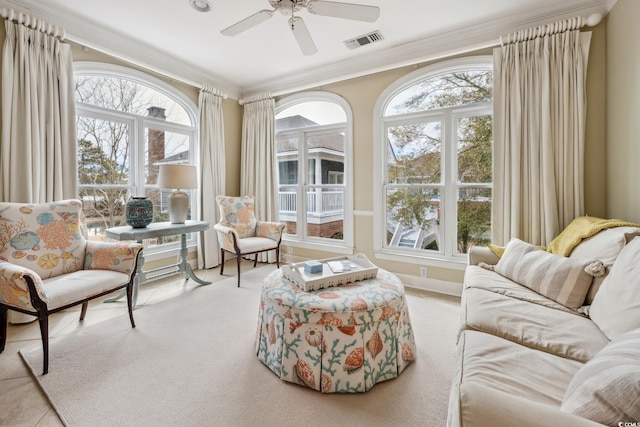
x=212, y=169
x=539, y=126
x=258, y=160
x=38, y=161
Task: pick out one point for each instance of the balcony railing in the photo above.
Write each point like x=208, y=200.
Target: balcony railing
x=319, y=203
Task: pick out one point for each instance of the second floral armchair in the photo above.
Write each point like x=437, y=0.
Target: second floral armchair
x=240, y=233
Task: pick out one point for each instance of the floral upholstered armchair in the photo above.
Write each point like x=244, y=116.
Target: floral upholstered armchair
x=46, y=265
x=240, y=233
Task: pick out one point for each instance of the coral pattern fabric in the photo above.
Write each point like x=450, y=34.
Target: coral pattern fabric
x=344, y=340
x=45, y=240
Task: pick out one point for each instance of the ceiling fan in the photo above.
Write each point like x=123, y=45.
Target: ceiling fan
x=352, y=11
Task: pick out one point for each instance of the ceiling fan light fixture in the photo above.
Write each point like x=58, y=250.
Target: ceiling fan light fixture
x=200, y=5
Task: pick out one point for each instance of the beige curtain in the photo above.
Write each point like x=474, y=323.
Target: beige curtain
x=38, y=142
x=212, y=168
x=539, y=122
x=258, y=170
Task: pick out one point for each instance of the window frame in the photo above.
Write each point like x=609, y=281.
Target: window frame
x=302, y=240
x=449, y=185
x=137, y=126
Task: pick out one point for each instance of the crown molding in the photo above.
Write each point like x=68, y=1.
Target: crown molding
x=92, y=35
x=436, y=46
x=432, y=46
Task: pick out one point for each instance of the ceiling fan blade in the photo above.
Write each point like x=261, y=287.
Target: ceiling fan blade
x=247, y=23
x=357, y=12
x=302, y=35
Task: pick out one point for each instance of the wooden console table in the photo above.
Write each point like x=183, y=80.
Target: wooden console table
x=159, y=229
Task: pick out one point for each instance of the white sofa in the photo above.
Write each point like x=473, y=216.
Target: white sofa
x=525, y=360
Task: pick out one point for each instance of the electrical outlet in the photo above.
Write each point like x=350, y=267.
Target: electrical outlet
x=423, y=271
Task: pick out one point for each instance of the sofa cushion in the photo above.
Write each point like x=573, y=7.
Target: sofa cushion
x=607, y=388
x=477, y=277
x=604, y=246
x=564, y=334
x=616, y=306
x=514, y=369
x=559, y=278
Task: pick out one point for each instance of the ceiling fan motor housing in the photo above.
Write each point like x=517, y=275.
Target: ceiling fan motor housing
x=287, y=7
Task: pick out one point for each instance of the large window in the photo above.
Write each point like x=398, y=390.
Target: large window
x=313, y=134
x=434, y=152
x=128, y=123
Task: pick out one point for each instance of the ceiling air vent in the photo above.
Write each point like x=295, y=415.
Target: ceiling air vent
x=364, y=40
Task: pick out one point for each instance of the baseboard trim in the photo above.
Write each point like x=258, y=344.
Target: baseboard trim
x=432, y=285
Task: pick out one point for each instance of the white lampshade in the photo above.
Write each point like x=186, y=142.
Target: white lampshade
x=177, y=176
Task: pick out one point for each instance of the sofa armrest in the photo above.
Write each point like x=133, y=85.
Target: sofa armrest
x=115, y=256
x=481, y=406
x=14, y=289
x=270, y=230
x=478, y=254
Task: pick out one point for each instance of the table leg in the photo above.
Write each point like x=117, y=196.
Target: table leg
x=185, y=267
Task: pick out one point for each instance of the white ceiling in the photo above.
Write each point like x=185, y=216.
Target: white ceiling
x=171, y=37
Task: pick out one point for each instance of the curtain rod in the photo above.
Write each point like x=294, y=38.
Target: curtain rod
x=32, y=22
x=255, y=98
x=570, y=24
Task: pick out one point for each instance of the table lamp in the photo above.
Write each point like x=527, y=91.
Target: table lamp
x=178, y=177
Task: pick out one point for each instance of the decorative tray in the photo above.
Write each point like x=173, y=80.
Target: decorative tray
x=350, y=268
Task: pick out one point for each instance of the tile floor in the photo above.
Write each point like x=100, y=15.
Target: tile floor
x=22, y=402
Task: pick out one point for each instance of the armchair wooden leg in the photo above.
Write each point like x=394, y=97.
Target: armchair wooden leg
x=238, y=258
x=4, y=319
x=130, y=303
x=222, y=261
x=83, y=312
x=44, y=331
x=255, y=261
x=278, y=257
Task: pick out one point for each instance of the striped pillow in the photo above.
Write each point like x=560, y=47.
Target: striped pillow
x=559, y=278
x=607, y=388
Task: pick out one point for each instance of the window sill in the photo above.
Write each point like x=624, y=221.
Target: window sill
x=318, y=246
x=429, y=261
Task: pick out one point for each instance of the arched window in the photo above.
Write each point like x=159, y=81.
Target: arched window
x=434, y=158
x=313, y=134
x=128, y=123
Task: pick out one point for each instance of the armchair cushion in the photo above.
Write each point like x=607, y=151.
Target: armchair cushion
x=255, y=244
x=77, y=286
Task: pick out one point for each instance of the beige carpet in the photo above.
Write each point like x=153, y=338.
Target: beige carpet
x=191, y=362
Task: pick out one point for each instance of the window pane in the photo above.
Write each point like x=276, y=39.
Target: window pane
x=474, y=218
x=160, y=200
x=413, y=218
x=309, y=114
x=103, y=151
x=443, y=91
x=103, y=208
x=122, y=94
x=474, y=149
x=415, y=153
x=325, y=212
x=163, y=147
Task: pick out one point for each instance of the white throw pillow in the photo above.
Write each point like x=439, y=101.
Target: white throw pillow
x=616, y=306
x=607, y=388
x=604, y=246
x=559, y=278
